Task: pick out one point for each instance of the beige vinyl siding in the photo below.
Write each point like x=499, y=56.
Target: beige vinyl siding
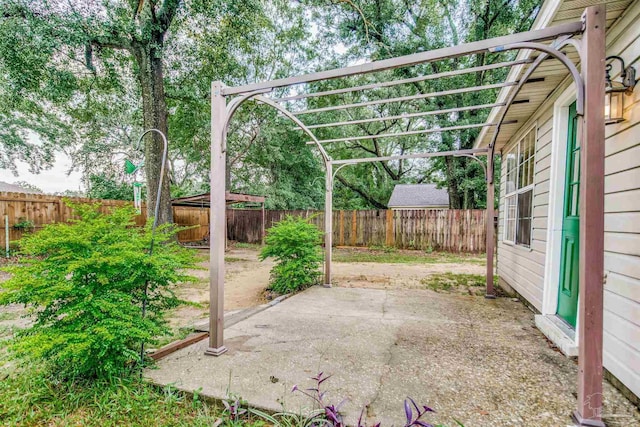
x=622, y=221
x=520, y=267
x=523, y=269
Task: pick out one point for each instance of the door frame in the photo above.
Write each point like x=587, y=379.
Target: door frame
x=556, y=204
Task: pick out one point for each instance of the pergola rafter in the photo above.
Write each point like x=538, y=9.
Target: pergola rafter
x=590, y=102
x=408, y=133
x=407, y=98
x=407, y=81
x=409, y=115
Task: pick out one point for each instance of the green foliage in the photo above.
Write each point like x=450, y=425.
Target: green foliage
x=108, y=188
x=472, y=284
x=295, y=244
x=34, y=399
x=74, y=77
x=91, y=102
x=394, y=256
x=23, y=224
x=385, y=29
x=84, y=283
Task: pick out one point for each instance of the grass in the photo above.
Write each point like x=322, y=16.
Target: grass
x=33, y=399
x=240, y=245
x=473, y=284
x=393, y=256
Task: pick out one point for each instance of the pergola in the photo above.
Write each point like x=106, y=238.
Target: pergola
x=586, y=37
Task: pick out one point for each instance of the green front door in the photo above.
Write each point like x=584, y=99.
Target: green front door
x=570, y=253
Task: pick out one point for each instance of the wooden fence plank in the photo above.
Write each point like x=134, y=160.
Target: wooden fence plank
x=423, y=229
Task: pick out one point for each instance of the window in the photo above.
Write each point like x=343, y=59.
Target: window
x=519, y=164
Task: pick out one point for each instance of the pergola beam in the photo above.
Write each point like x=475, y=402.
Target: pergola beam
x=416, y=58
x=407, y=133
x=481, y=151
x=406, y=81
x=409, y=115
x=407, y=98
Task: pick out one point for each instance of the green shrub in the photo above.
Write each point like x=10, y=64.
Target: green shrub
x=295, y=244
x=84, y=282
x=24, y=224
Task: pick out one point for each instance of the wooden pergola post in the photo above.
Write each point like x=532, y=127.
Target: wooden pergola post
x=590, y=309
x=490, y=292
x=217, y=232
x=328, y=223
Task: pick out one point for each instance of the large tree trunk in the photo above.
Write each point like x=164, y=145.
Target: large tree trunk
x=154, y=109
x=455, y=201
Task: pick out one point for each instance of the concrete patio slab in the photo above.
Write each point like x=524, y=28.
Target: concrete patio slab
x=479, y=361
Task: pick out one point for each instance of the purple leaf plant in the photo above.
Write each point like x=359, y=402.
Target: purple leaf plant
x=333, y=417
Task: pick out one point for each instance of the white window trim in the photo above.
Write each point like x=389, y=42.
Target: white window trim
x=504, y=220
x=556, y=200
x=555, y=218
x=533, y=128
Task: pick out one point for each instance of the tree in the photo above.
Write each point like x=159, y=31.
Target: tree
x=79, y=58
x=265, y=155
x=387, y=28
x=109, y=188
x=99, y=73
x=29, y=186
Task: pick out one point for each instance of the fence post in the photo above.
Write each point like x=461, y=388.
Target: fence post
x=389, y=236
x=341, y=237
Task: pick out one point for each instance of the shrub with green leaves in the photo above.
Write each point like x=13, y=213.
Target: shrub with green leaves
x=295, y=244
x=84, y=284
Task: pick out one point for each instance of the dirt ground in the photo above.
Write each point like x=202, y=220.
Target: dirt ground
x=374, y=275
x=247, y=279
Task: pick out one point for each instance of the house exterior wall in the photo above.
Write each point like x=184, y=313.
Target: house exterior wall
x=523, y=269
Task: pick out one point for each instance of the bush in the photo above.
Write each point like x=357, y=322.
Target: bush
x=295, y=244
x=85, y=282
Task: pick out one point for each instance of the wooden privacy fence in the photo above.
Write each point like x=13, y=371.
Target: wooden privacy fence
x=451, y=230
x=41, y=209
x=437, y=229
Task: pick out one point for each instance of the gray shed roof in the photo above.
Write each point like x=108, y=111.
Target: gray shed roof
x=13, y=188
x=418, y=195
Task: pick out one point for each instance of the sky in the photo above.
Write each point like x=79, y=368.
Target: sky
x=52, y=180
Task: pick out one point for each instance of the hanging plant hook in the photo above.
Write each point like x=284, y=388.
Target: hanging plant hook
x=155, y=217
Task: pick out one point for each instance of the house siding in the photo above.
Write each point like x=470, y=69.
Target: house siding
x=523, y=269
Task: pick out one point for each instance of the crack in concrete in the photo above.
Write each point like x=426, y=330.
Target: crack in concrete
x=370, y=413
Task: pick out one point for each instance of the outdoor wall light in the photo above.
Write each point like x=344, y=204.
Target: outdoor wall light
x=615, y=91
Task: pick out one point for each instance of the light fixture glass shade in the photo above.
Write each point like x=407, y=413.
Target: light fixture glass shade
x=613, y=105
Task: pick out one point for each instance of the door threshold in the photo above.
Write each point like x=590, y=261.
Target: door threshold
x=559, y=332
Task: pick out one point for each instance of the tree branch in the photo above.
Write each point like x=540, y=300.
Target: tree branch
x=166, y=14
x=361, y=193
